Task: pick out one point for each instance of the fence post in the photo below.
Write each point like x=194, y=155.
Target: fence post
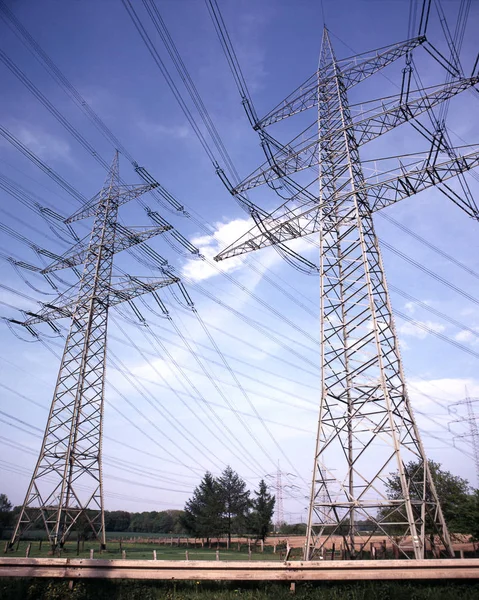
x=262, y=546
x=461, y=553
x=92, y=553
x=288, y=550
x=217, y=555
x=154, y=554
x=395, y=550
x=249, y=553
x=186, y=555
x=27, y=553
x=123, y=554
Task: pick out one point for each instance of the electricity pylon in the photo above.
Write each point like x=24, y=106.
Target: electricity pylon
x=473, y=429
x=279, y=500
x=66, y=489
x=366, y=425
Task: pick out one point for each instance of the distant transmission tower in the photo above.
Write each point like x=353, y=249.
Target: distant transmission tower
x=279, y=500
x=66, y=489
x=474, y=431
x=366, y=426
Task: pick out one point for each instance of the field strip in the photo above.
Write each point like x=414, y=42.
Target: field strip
x=78, y=568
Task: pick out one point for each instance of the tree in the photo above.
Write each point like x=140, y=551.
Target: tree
x=203, y=510
x=6, y=515
x=293, y=528
x=260, y=520
x=235, y=502
x=472, y=516
x=5, y=504
x=117, y=520
x=452, y=491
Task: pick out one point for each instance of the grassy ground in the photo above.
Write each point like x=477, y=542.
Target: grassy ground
x=25, y=589
x=138, y=551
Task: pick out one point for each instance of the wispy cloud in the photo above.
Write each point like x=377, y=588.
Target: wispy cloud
x=425, y=392
x=410, y=308
x=151, y=129
x=43, y=144
x=466, y=336
x=210, y=245
x=416, y=331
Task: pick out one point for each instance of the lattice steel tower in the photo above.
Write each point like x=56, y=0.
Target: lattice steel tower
x=66, y=488
x=279, y=500
x=473, y=428
x=366, y=425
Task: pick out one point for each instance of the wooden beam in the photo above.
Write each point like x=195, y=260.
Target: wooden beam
x=75, y=568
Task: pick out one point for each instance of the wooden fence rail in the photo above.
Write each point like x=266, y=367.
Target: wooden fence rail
x=78, y=568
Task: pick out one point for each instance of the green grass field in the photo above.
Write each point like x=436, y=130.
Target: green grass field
x=144, y=551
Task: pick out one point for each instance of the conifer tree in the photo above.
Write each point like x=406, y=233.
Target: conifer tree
x=202, y=515
x=260, y=521
x=235, y=502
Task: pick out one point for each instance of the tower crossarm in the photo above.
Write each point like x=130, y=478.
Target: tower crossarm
x=396, y=113
x=353, y=71
x=426, y=175
x=125, y=238
x=137, y=287
x=125, y=194
x=49, y=312
x=294, y=222
x=391, y=113
x=132, y=288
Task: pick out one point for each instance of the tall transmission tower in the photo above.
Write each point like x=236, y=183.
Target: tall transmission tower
x=366, y=425
x=66, y=488
x=474, y=431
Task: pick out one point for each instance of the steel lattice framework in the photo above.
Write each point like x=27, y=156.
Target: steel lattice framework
x=473, y=428
x=366, y=425
x=66, y=489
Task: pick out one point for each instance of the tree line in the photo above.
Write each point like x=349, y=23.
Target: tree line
x=166, y=521
x=218, y=507
x=223, y=506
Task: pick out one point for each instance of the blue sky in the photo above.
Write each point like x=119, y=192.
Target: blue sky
x=277, y=42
